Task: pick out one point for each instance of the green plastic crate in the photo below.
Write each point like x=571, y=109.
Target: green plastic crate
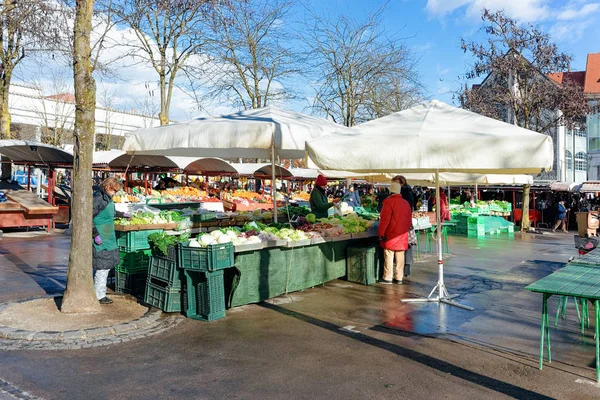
x=212, y=258
x=134, y=261
x=166, y=298
x=164, y=270
x=362, y=265
x=204, y=217
x=205, y=295
x=131, y=283
x=134, y=240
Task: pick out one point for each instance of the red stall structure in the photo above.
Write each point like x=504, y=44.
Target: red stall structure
x=24, y=209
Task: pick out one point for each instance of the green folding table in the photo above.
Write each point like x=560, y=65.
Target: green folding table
x=581, y=281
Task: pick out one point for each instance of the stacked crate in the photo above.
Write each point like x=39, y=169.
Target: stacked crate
x=203, y=268
x=163, y=287
x=132, y=271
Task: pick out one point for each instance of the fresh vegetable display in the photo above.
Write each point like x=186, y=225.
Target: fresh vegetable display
x=160, y=241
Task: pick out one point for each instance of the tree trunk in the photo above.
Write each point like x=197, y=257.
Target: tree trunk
x=525, y=209
x=79, y=295
x=4, y=112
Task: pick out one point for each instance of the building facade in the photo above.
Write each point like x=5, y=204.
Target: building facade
x=50, y=119
x=581, y=159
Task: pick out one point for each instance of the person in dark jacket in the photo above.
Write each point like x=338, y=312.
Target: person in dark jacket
x=382, y=194
x=319, y=205
x=394, y=224
x=561, y=217
x=405, y=190
x=105, y=252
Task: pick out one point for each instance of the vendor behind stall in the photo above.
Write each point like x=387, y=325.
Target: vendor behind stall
x=319, y=205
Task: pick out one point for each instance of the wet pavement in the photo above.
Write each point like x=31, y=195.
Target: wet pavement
x=340, y=340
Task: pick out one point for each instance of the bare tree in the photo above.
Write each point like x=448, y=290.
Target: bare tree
x=517, y=62
x=56, y=108
x=168, y=33
x=79, y=295
x=148, y=107
x=27, y=27
x=359, y=68
x=107, y=101
x=251, y=54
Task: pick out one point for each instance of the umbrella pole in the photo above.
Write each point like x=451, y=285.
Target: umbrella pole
x=443, y=295
x=273, y=191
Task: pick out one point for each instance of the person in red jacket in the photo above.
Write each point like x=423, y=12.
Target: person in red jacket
x=444, y=210
x=395, y=221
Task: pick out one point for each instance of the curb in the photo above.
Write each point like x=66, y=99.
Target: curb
x=150, y=323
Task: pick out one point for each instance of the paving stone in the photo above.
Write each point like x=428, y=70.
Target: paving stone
x=124, y=327
x=22, y=335
x=5, y=331
x=52, y=336
x=99, y=332
x=73, y=335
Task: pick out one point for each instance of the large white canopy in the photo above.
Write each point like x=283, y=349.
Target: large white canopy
x=248, y=134
x=434, y=136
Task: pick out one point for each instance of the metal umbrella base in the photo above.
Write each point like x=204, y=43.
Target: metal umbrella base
x=444, y=297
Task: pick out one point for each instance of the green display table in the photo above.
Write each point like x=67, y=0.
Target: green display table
x=271, y=272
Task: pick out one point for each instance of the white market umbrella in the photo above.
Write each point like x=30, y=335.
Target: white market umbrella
x=435, y=137
x=257, y=133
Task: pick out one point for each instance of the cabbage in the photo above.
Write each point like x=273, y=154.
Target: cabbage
x=231, y=235
x=216, y=233
x=223, y=239
x=206, y=240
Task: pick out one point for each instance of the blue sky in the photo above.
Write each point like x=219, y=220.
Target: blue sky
x=434, y=29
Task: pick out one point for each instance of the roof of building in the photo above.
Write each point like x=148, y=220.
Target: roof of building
x=592, y=76
x=560, y=77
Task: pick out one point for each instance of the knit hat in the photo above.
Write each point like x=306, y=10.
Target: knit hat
x=321, y=180
x=395, y=187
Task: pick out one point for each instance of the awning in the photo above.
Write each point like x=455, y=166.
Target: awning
x=204, y=165
x=262, y=171
x=116, y=159
x=590, y=187
x=565, y=187
x=21, y=151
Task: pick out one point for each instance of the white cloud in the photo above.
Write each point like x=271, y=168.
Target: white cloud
x=569, y=31
x=571, y=13
x=442, y=70
x=524, y=10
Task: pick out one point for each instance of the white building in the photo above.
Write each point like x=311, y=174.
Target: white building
x=38, y=117
x=580, y=160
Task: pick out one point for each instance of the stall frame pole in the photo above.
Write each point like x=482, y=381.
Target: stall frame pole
x=443, y=295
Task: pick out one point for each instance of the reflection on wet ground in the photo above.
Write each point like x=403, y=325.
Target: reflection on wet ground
x=488, y=274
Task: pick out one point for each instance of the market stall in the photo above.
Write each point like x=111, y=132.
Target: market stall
x=434, y=137
x=24, y=208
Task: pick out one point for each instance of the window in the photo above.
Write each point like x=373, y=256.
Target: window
x=580, y=132
x=569, y=158
x=568, y=131
x=581, y=161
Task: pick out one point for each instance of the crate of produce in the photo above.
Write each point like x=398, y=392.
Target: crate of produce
x=478, y=231
x=134, y=240
x=214, y=257
x=135, y=261
x=164, y=297
x=164, y=270
x=131, y=283
x=475, y=221
x=205, y=295
x=362, y=265
x=204, y=217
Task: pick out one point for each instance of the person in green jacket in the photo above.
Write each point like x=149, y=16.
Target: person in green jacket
x=318, y=200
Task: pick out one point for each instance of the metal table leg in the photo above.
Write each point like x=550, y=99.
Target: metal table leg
x=543, y=328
